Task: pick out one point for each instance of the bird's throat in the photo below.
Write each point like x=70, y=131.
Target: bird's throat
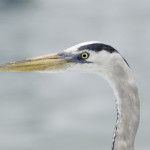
x=127, y=116
x=128, y=107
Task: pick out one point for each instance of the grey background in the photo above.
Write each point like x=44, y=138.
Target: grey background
x=69, y=110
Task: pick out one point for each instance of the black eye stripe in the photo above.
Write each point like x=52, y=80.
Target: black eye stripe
x=97, y=47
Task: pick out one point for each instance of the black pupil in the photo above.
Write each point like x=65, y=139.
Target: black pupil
x=84, y=55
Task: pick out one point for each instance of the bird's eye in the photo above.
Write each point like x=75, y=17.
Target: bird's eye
x=84, y=55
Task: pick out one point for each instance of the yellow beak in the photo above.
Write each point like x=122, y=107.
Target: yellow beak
x=51, y=62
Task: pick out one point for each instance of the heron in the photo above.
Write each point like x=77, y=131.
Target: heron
x=103, y=59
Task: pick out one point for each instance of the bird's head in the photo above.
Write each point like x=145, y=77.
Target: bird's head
x=88, y=57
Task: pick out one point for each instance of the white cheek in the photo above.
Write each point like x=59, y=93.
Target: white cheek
x=98, y=57
x=87, y=67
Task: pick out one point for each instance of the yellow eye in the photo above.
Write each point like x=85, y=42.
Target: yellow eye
x=84, y=55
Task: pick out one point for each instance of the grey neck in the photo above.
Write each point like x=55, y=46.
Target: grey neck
x=127, y=116
x=128, y=107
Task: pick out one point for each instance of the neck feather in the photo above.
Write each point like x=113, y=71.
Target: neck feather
x=127, y=102
x=128, y=107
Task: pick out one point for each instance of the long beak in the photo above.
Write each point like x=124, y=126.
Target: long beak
x=51, y=62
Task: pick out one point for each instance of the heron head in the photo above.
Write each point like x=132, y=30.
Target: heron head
x=88, y=56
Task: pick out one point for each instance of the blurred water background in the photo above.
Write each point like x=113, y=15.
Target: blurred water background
x=69, y=110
